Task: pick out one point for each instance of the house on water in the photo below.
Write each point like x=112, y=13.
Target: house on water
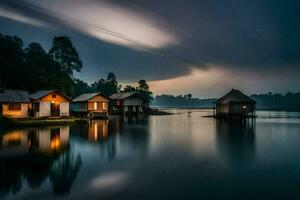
x=50, y=103
x=14, y=103
x=92, y=104
x=129, y=103
x=235, y=104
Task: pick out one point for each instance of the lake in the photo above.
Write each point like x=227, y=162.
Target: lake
x=180, y=156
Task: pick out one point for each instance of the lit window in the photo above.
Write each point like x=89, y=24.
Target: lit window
x=244, y=107
x=14, y=106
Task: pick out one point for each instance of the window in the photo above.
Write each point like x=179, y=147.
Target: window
x=244, y=107
x=14, y=106
x=53, y=96
x=118, y=103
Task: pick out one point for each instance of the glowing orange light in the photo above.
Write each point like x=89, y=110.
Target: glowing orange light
x=55, y=143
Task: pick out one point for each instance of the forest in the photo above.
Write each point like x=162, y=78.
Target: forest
x=32, y=68
x=289, y=101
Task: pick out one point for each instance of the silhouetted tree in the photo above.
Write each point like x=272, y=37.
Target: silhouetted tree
x=11, y=62
x=66, y=55
x=143, y=85
x=63, y=172
x=80, y=87
x=107, y=86
x=129, y=88
x=143, y=89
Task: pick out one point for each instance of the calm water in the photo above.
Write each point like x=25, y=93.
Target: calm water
x=181, y=156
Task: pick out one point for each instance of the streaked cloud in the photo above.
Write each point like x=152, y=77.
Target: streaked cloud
x=105, y=21
x=14, y=15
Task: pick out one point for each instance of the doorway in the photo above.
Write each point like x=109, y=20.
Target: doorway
x=55, y=110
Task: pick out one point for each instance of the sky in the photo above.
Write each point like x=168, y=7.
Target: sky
x=202, y=47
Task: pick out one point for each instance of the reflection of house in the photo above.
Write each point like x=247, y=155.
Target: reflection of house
x=14, y=103
x=50, y=140
x=129, y=102
x=49, y=103
x=235, y=103
x=91, y=103
x=98, y=130
x=14, y=143
x=31, y=157
x=43, y=141
x=235, y=140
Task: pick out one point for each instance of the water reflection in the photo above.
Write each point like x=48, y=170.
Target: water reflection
x=94, y=130
x=32, y=155
x=48, y=156
x=118, y=132
x=235, y=140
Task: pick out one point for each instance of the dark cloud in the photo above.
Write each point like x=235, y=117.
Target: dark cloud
x=261, y=36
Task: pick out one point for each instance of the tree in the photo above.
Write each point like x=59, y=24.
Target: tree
x=66, y=55
x=143, y=90
x=129, y=88
x=107, y=86
x=143, y=85
x=11, y=62
x=43, y=72
x=31, y=68
x=80, y=87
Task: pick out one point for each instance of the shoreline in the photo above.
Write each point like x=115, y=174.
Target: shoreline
x=9, y=122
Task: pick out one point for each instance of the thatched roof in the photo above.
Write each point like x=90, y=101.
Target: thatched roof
x=88, y=96
x=41, y=93
x=235, y=96
x=125, y=95
x=14, y=96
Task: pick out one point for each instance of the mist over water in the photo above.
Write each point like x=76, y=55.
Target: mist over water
x=178, y=156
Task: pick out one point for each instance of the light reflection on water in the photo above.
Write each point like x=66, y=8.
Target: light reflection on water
x=174, y=156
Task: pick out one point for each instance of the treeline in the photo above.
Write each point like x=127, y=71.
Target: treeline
x=183, y=101
x=32, y=68
x=289, y=101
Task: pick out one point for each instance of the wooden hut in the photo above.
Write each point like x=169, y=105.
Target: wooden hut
x=92, y=104
x=14, y=103
x=235, y=104
x=50, y=103
x=129, y=103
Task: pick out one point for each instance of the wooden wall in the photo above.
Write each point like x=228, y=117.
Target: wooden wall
x=100, y=106
x=99, y=98
x=133, y=102
x=23, y=113
x=235, y=108
x=58, y=98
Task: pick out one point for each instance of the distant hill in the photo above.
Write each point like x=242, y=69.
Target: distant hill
x=289, y=101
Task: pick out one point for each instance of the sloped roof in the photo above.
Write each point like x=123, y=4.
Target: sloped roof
x=87, y=96
x=41, y=93
x=235, y=96
x=14, y=96
x=125, y=95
